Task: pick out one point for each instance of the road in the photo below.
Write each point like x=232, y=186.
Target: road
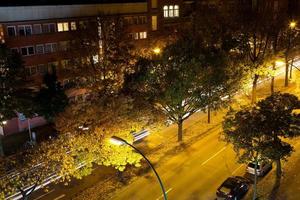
x=192, y=174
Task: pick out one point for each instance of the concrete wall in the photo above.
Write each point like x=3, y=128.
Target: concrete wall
x=23, y=13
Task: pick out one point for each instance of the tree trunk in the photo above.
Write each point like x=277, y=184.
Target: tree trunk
x=255, y=180
x=180, y=123
x=254, y=86
x=273, y=79
x=1, y=147
x=286, y=80
x=278, y=169
x=208, y=114
x=291, y=69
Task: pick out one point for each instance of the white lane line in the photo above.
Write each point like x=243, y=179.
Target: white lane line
x=237, y=169
x=44, y=194
x=213, y=156
x=60, y=197
x=166, y=193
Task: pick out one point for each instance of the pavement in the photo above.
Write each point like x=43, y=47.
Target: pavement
x=190, y=173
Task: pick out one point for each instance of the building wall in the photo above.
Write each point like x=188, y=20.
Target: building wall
x=26, y=29
x=24, y=13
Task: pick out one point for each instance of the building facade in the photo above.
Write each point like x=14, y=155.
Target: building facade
x=43, y=33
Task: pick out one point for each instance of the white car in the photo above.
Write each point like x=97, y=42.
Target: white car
x=262, y=168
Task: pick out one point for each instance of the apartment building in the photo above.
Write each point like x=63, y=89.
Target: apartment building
x=42, y=31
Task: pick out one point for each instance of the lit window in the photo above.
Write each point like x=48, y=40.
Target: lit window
x=63, y=26
x=11, y=31
x=143, y=35
x=154, y=23
x=136, y=36
x=166, y=11
x=171, y=11
x=176, y=11
x=73, y=26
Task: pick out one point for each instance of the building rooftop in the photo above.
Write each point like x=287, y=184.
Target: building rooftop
x=61, y=2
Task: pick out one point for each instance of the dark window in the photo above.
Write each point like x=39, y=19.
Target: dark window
x=39, y=49
x=49, y=28
x=37, y=29
x=52, y=28
x=11, y=30
x=46, y=28
x=28, y=30
x=24, y=51
x=30, y=50
x=21, y=30
x=42, y=69
x=15, y=50
x=25, y=30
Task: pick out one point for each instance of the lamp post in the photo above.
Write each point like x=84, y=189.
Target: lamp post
x=291, y=28
x=119, y=141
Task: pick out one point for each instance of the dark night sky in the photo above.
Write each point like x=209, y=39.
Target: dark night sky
x=60, y=2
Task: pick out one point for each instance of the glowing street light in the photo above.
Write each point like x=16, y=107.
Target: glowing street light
x=293, y=24
x=119, y=141
x=157, y=50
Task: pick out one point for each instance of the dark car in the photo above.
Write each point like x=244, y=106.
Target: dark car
x=233, y=188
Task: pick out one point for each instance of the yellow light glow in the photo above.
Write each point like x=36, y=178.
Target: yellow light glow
x=4, y=122
x=279, y=63
x=293, y=24
x=157, y=50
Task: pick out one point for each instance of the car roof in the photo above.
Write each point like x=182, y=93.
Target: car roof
x=230, y=182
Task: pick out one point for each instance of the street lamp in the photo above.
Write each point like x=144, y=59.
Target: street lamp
x=293, y=24
x=156, y=50
x=119, y=141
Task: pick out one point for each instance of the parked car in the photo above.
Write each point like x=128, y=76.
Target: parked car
x=262, y=168
x=233, y=188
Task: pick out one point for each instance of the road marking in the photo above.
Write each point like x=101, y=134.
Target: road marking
x=236, y=169
x=60, y=197
x=44, y=194
x=166, y=193
x=213, y=156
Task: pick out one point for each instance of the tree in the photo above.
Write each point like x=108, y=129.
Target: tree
x=24, y=171
x=14, y=98
x=257, y=132
x=256, y=34
x=241, y=130
x=289, y=40
x=97, y=121
x=174, y=84
x=104, y=54
x=51, y=99
x=279, y=122
x=222, y=78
